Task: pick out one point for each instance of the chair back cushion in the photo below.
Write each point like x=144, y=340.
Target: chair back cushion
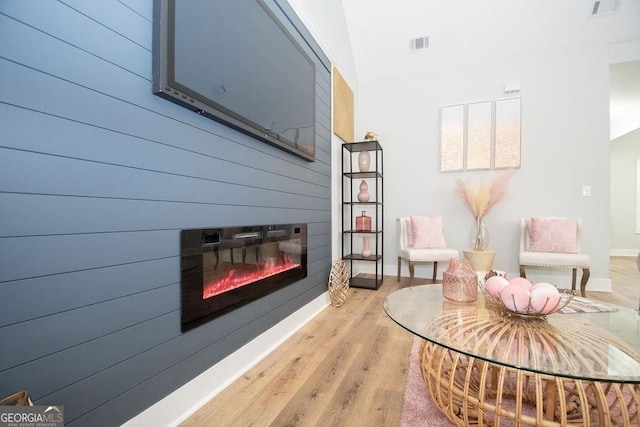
x=559, y=235
x=426, y=232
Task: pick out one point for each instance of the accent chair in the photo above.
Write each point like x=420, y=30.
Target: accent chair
x=421, y=239
x=554, y=242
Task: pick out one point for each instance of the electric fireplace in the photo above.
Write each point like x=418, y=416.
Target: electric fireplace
x=225, y=268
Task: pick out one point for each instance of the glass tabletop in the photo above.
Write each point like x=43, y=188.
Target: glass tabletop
x=587, y=346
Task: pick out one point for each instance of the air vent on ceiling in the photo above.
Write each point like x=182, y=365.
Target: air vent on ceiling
x=605, y=7
x=419, y=43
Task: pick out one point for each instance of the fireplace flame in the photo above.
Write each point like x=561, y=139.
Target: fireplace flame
x=234, y=280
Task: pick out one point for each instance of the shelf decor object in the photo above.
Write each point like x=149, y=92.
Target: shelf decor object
x=370, y=136
x=363, y=222
x=364, y=161
x=366, y=247
x=362, y=186
x=363, y=195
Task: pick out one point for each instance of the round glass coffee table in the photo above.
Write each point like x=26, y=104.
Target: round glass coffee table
x=483, y=367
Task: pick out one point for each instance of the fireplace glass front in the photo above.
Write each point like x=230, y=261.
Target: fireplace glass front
x=225, y=268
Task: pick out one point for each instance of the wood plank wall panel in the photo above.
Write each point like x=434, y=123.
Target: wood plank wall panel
x=97, y=178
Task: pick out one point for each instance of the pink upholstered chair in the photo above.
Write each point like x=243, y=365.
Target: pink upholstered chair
x=554, y=242
x=423, y=242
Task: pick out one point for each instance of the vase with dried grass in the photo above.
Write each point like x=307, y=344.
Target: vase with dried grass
x=480, y=198
x=479, y=237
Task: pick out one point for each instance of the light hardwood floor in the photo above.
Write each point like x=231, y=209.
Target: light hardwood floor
x=625, y=278
x=348, y=366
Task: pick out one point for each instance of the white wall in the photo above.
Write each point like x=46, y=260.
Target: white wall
x=326, y=21
x=565, y=145
x=625, y=151
x=565, y=142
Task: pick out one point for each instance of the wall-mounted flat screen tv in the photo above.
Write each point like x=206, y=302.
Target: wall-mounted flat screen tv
x=235, y=62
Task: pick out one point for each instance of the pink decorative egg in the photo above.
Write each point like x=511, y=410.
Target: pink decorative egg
x=522, y=282
x=544, y=299
x=541, y=284
x=494, y=285
x=515, y=297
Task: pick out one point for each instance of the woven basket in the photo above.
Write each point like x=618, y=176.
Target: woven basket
x=20, y=398
x=338, y=283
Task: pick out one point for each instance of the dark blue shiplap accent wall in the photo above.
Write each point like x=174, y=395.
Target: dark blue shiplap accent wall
x=97, y=178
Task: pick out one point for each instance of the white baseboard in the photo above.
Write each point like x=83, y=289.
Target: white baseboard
x=624, y=252
x=186, y=400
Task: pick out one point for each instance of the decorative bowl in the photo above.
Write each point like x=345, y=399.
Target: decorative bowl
x=566, y=295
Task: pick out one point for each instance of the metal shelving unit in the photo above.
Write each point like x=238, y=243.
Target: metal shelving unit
x=352, y=239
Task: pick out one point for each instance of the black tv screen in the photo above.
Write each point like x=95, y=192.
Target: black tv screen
x=236, y=63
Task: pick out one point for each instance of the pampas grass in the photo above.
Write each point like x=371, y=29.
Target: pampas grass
x=484, y=195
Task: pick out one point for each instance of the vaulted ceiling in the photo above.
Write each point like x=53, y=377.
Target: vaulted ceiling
x=463, y=31
x=466, y=31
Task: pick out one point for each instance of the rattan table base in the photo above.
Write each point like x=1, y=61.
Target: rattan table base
x=471, y=391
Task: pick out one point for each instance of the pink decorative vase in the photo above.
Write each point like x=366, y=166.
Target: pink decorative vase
x=363, y=222
x=364, y=161
x=363, y=195
x=366, y=243
x=460, y=282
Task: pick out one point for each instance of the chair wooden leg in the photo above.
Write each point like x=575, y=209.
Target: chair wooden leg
x=411, y=270
x=399, y=267
x=435, y=270
x=573, y=279
x=522, y=273
x=583, y=283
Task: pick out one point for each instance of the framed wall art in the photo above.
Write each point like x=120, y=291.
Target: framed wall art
x=452, y=138
x=343, y=112
x=481, y=135
x=508, y=133
x=479, y=126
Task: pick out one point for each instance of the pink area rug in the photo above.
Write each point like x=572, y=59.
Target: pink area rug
x=418, y=409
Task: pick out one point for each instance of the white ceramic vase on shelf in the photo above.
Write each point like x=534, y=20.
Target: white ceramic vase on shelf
x=364, y=161
x=363, y=195
x=366, y=246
